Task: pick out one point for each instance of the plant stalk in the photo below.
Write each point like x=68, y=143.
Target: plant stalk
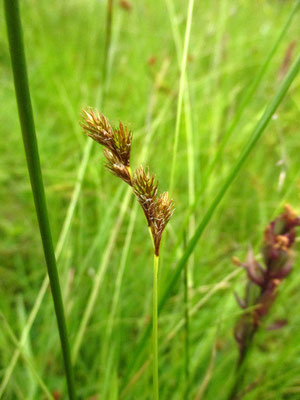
x=109, y=17
x=154, y=328
x=240, y=371
x=187, y=329
x=17, y=54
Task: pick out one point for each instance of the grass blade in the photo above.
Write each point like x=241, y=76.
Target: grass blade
x=109, y=17
x=17, y=54
x=257, y=132
x=58, y=250
x=99, y=277
x=244, y=103
x=181, y=90
x=26, y=358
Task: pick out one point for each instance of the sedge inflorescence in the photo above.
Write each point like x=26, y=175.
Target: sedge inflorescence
x=264, y=279
x=158, y=209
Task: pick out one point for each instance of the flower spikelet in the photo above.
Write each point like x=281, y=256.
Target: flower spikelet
x=115, y=166
x=157, y=209
x=117, y=146
x=117, y=142
x=164, y=208
x=97, y=127
x=122, y=143
x=145, y=188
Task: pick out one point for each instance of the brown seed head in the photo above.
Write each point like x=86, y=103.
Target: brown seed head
x=117, y=142
x=122, y=143
x=145, y=189
x=97, y=127
x=116, y=167
x=158, y=210
x=164, y=208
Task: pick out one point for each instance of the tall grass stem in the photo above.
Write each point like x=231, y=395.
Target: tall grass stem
x=187, y=329
x=154, y=328
x=189, y=268
x=17, y=53
x=109, y=18
x=240, y=371
x=181, y=91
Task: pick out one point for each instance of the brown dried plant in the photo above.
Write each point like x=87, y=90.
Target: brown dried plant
x=158, y=209
x=263, y=281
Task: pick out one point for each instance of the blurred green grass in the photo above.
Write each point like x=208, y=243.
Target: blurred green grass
x=64, y=45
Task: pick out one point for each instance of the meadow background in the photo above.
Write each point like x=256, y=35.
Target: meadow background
x=102, y=244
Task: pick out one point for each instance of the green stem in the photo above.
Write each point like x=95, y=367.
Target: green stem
x=241, y=367
x=181, y=91
x=109, y=16
x=238, y=378
x=154, y=329
x=186, y=328
x=17, y=54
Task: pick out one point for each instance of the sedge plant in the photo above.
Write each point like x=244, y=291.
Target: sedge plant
x=263, y=281
x=158, y=209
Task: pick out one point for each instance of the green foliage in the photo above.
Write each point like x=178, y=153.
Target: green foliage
x=104, y=239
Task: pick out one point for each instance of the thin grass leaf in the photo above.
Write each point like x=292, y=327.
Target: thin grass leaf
x=243, y=106
x=99, y=277
x=58, y=250
x=27, y=360
x=189, y=268
x=17, y=53
x=181, y=90
x=256, y=134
